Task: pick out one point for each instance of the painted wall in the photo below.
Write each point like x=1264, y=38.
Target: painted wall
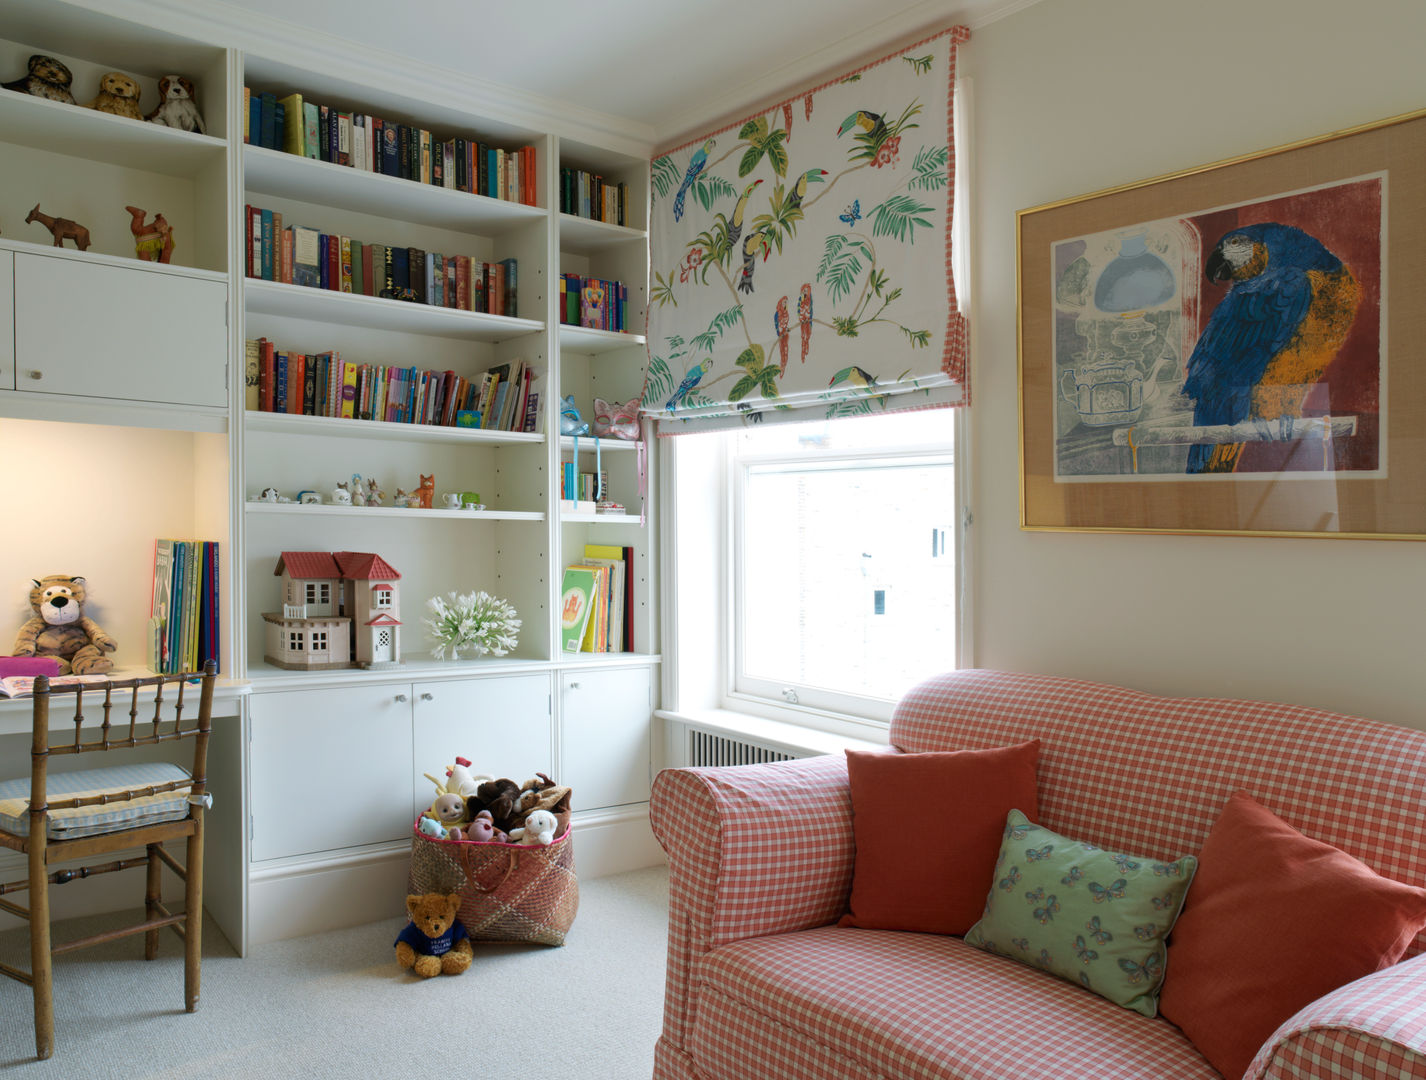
x=1072, y=96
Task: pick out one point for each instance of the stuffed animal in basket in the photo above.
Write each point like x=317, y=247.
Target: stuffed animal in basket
x=434, y=942
x=59, y=628
x=539, y=828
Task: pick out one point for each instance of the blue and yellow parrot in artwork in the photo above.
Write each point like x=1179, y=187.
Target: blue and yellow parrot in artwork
x=1289, y=305
x=695, y=167
x=692, y=379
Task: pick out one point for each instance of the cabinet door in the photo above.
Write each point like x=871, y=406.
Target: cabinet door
x=604, y=723
x=329, y=769
x=500, y=724
x=7, y=321
x=114, y=332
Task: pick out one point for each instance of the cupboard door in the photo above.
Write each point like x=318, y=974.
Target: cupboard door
x=7, y=321
x=500, y=724
x=329, y=769
x=605, y=718
x=115, y=332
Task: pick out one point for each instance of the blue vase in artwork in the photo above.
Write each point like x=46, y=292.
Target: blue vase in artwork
x=1134, y=280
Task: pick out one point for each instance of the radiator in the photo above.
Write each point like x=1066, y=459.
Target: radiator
x=706, y=749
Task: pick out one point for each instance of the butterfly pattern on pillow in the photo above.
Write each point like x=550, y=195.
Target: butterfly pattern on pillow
x=615, y=419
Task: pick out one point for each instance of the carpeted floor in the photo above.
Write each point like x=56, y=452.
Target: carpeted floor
x=335, y=1006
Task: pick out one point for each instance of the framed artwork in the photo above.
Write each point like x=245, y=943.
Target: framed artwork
x=1234, y=349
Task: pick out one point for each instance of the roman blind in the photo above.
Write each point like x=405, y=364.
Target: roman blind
x=801, y=262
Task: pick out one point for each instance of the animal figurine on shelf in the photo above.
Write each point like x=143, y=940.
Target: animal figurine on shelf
x=570, y=421
x=539, y=828
x=619, y=421
x=434, y=942
x=423, y=494
x=358, y=492
x=60, y=628
x=46, y=78
x=153, y=242
x=374, y=494
x=177, y=107
x=61, y=228
x=118, y=95
x=401, y=498
x=341, y=495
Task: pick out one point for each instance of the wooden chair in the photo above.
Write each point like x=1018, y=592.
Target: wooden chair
x=78, y=815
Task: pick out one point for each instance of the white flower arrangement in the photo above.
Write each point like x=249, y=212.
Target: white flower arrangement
x=477, y=623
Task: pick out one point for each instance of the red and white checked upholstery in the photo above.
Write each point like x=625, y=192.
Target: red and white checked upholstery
x=761, y=986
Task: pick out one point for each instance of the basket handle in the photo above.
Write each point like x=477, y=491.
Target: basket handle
x=510, y=864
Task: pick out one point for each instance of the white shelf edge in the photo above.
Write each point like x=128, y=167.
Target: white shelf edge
x=320, y=509
x=121, y=412
x=378, y=313
x=123, y=262
x=337, y=427
x=583, y=236
x=600, y=519
x=607, y=444
x=585, y=339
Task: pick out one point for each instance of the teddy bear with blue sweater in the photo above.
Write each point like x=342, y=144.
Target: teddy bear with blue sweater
x=434, y=942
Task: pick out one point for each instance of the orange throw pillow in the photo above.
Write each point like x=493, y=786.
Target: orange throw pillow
x=1274, y=920
x=928, y=829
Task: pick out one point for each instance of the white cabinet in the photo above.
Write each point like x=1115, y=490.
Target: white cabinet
x=130, y=333
x=7, y=321
x=329, y=769
x=500, y=724
x=605, y=720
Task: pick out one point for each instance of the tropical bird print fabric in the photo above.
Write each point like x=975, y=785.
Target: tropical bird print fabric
x=1229, y=343
x=801, y=257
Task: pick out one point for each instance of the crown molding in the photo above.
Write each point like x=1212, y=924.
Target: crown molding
x=227, y=25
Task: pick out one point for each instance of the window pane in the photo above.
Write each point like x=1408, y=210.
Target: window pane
x=848, y=569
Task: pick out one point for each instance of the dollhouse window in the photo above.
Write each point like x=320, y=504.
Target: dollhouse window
x=383, y=598
x=319, y=641
x=319, y=592
x=296, y=641
x=383, y=639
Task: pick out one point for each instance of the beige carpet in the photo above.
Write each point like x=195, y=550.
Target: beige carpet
x=335, y=1006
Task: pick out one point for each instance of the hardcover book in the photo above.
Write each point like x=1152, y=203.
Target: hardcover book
x=309, y=129
x=576, y=605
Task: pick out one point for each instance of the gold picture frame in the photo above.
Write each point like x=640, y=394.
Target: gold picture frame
x=1232, y=349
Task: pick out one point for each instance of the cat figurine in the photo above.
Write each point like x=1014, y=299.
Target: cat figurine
x=613, y=419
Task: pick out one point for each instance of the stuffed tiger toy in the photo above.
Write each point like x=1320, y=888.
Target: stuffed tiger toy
x=59, y=628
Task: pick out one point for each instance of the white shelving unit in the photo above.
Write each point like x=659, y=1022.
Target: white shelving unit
x=174, y=452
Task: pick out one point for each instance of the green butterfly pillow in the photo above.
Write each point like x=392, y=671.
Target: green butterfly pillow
x=1090, y=916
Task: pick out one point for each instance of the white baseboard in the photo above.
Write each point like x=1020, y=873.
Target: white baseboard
x=299, y=898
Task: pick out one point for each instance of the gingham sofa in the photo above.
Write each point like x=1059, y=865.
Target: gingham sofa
x=762, y=985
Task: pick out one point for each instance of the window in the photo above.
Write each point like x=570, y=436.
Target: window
x=839, y=582
x=319, y=592
x=383, y=598
x=319, y=641
x=296, y=641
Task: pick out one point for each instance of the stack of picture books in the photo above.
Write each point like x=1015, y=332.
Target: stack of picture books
x=597, y=303
x=370, y=144
x=505, y=398
x=597, y=602
x=297, y=255
x=184, y=622
x=587, y=195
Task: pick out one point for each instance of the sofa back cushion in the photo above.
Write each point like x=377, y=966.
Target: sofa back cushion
x=1134, y=772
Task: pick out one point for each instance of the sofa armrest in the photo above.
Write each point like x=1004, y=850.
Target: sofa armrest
x=1374, y=1027
x=752, y=850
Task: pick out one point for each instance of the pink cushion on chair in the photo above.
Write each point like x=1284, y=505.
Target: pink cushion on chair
x=927, y=830
x=1274, y=920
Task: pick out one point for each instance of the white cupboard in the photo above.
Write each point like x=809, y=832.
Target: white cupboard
x=604, y=720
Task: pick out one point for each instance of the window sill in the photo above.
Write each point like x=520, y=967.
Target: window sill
x=795, y=739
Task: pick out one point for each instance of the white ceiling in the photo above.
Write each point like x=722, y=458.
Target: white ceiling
x=664, y=64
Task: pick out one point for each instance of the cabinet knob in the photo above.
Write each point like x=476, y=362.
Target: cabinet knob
x=37, y=374
x=427, y=697
x=400, y=697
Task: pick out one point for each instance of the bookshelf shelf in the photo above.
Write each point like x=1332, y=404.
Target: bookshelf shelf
x=376, y=313
x=272, y=172
x=98, y=259
x=606, y=445
x=373, y=512
x=584, y=236
x=332, y=427
x=116, y=140
x=585, y=340
x=600, y=519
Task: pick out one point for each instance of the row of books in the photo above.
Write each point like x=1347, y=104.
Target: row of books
x=597, y=601
x=597, y=303
x=587, y=195
x=371, y=144
x=582, y=487
x=184, y=627
x=504, y=398
x=297, y=255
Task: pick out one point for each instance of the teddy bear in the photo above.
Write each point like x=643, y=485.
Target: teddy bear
x=118, y=94
x=434, y=942
x=46, y=78
x=539, y=828
x=482, y=830
x=429, y=826
x=59, y=628
x=177, y=108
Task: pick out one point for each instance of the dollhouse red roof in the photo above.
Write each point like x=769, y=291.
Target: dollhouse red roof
x=308, y=564
x=364, y=566
x=384, y=620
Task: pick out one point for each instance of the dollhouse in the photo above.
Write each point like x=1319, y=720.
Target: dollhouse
x=339, y=609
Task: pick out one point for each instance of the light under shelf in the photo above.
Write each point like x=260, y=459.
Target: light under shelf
x=96, y=136
x=328, y=510
x=600, y=519
x=272, y=172
x=585, y=236
x=583, y=339
x=335, y=427
x=606, y=444
x=376, y=313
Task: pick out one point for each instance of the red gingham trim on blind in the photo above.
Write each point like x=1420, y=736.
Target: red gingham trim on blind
x=1374, y=1027
x=835, y=1004
x=752, y=850
x=1150, y=774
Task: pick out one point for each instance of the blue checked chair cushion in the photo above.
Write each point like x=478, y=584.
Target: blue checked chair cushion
x=74, y=822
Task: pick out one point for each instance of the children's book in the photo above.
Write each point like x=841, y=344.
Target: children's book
x=576, y=605
x=17, y=686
